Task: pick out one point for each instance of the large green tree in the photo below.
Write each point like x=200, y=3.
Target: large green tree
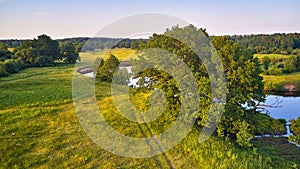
x=47, y=47
x=266, y=62
x=4, y=52
x=68, y=52
x=27, y=57
x=290, y=64
x=244, y=84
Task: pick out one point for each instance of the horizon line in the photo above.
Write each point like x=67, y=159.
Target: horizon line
x=90, y=37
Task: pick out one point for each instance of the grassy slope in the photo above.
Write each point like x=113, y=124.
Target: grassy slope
x=277, y=82
x=39, y=129
x=51, y=137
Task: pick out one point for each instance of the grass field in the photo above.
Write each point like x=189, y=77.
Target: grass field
x=11, y=49
x=277, y=82
x=271, y=56
x=89, y=57
x=40, y=129
x=35, y=86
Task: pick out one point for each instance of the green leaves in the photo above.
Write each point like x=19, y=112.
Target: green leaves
x=295, y=129
x=242, y=74
x=68, y=53
x=106, y=72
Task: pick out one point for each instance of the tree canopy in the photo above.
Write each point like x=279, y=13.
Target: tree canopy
x=244, y=84
x=107, y=68
x=42, y=51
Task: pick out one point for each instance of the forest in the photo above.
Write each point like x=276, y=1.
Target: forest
x=263, y=44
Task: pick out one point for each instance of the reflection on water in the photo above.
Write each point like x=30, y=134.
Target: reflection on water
x=288, y=107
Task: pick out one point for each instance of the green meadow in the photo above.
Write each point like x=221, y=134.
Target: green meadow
x=276, y=83
x=90, y=56
x=40, y=129
x=271, y=56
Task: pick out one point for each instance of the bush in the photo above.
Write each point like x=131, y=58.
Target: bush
x=11, y=66
x=3, y=71
x=264, y=124
x=295, y=129
x=274, y=71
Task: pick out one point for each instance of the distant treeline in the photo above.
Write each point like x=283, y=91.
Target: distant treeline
x=90, y=44
x=267, y=44
x=270, y=44
x=12, y=43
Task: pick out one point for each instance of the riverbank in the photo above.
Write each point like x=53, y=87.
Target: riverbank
x=286, y=84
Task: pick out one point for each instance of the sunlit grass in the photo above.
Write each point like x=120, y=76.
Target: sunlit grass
x=89, y=57
x=277, y=82
x=51, y=137
x=271, y=56
x=40, y=129
x=11, y=49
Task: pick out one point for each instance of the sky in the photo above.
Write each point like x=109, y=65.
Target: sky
x=26, y=19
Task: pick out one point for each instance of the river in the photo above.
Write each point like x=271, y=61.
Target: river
x=286, y=107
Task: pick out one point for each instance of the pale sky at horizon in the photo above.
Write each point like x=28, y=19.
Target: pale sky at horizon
x=26, y=19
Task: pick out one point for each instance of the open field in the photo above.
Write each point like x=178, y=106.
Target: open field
x=45, y=132
x=40, y=129
x=277, y=82
x=11, y=49
x=271, y=56
x=35, y=86
x=89, y=57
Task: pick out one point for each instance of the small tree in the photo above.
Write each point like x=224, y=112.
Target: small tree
x=266, y=62
x=3, y=46
x=5, y=54
x=105, y=72
x=298, y=63
x=295, y=128
x=290, y=64
x=68, y=53
x=3, y=71
x=11, y=66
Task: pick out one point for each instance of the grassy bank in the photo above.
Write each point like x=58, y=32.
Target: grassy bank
x=276, y=83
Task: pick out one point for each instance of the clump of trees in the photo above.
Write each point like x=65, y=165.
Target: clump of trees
x=281, y=66
x=83, y=44
x=39, y=52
